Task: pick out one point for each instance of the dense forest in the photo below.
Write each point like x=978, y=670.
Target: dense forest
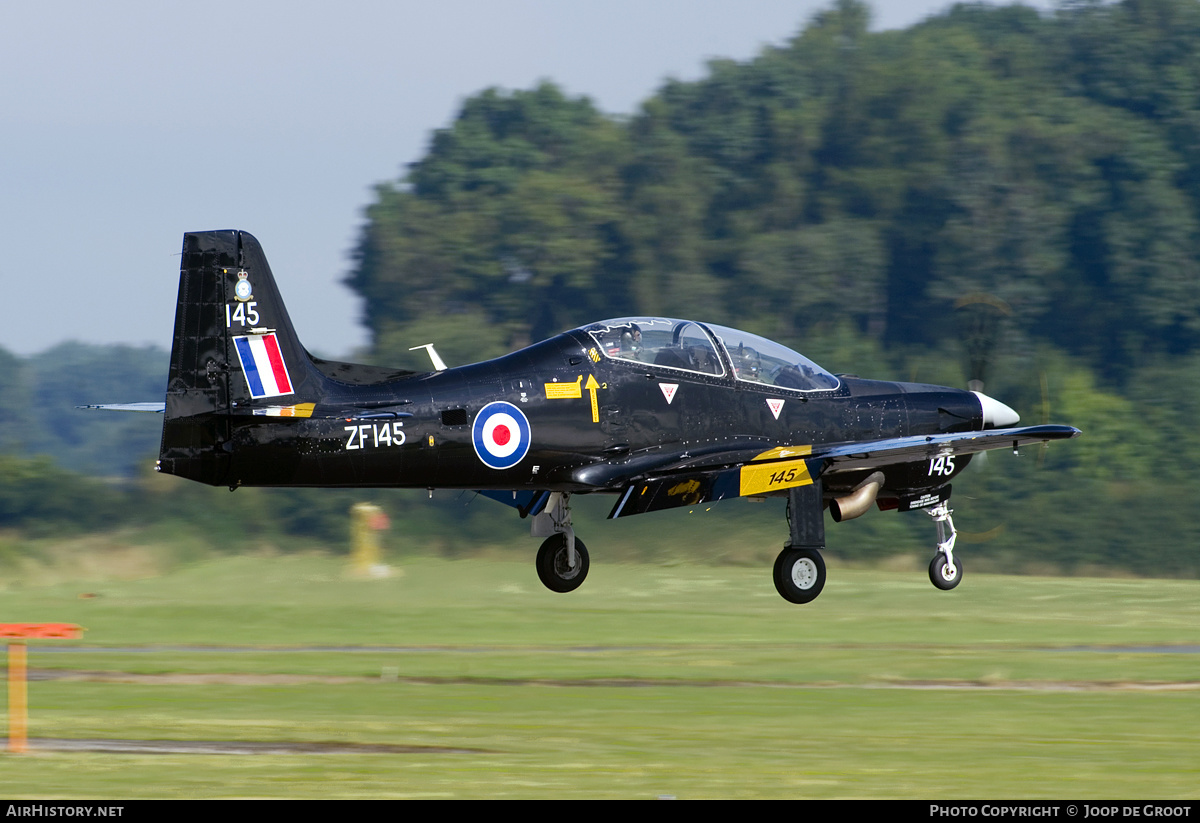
x=846, y=183
x=996, y=194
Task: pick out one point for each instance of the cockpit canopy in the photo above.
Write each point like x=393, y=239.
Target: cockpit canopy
x=689, y=346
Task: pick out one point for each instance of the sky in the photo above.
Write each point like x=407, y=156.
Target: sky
x=124, y=124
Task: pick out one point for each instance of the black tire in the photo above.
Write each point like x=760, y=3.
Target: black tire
x=942, y=575
x=552, y=566
x=799, y=574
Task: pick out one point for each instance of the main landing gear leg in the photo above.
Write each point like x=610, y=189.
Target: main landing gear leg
x=945, y=571
x=800, y=569
x=562, y=560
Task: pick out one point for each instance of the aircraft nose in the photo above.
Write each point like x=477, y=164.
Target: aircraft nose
x=995, y=414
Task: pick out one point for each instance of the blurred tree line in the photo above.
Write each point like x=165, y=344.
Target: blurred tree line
x=38, y=396
x=994, y=194
x=847, y=177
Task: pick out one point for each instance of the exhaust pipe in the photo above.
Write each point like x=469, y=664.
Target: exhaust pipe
x=858, y=501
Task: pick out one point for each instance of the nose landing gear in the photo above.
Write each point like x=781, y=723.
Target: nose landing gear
x=945, y=570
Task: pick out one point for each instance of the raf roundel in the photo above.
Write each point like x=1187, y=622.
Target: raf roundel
x=501, y=435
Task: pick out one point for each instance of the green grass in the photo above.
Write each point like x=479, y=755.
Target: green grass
x=681, y=680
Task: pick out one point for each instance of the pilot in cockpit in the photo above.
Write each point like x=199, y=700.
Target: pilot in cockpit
x=746, y=363
x=631, y=343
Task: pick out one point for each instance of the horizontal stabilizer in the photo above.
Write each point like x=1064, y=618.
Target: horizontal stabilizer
x=321, y=411
x=133, y=407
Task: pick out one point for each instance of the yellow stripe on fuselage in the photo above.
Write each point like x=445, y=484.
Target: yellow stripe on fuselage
x=781, y=452
x=761, y=478
x=299, y=410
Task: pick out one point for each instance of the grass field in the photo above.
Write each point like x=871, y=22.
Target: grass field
x=470, y=680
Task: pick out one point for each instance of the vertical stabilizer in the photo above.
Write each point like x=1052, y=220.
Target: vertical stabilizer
x=234, y=347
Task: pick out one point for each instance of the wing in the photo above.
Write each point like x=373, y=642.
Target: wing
x=878, y=453
x=692, y=480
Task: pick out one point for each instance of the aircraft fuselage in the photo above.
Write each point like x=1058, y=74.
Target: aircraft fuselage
x=588, y=420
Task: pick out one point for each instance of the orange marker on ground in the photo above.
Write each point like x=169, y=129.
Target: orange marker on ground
x=18, y=704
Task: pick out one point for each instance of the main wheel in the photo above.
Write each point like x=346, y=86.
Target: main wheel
x=944, y=575
x=799, y=574
x=553, y=567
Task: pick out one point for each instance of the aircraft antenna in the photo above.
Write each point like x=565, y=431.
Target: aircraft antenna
x=438, y=363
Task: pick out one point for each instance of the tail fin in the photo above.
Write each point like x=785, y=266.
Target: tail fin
x=234, y=346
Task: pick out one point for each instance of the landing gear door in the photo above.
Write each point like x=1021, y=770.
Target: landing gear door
x=925, y=499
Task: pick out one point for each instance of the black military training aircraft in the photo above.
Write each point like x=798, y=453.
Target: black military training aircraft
x=659, y=413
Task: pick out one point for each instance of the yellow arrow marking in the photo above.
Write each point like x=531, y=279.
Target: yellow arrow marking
x=591, y=386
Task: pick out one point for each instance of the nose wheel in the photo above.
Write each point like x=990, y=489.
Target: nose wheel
x=945, y=570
